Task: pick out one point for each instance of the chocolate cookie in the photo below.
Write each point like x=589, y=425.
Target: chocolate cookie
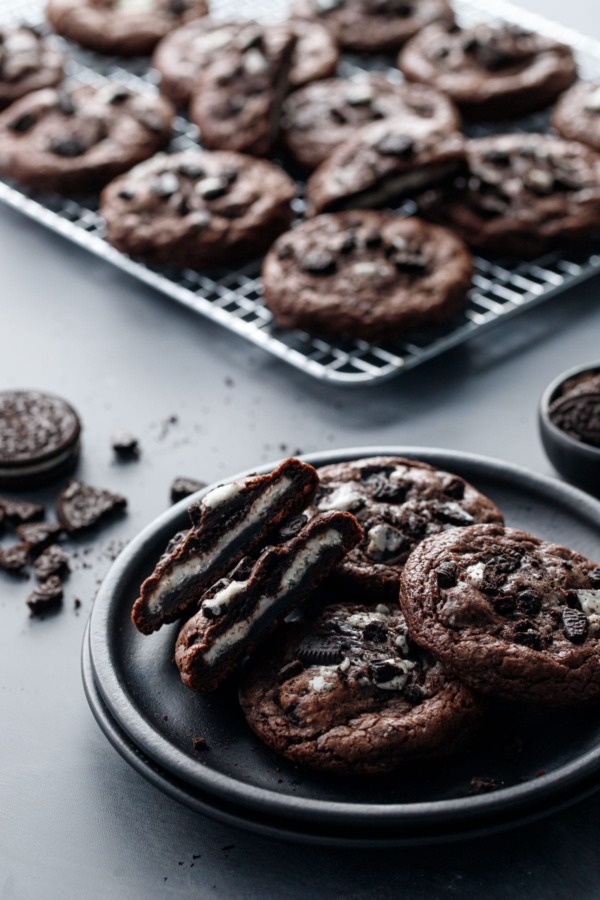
x=198, y=209
x=183, y=55
x=77, y=140
x=39, y=442
x=321, y=116
x=525, y=194
x=398, y=502
x=46, y=596
x=19, y=512
x=577, y=410
x=80, y=506
x=384, y=162
x=576, y=116
x=227, y=524
x=121, y=27
x=351, y=694
x=27, y=63
x=491, y=72
x=237, y=98
x=511, y=615
x=237, y=612
x=365, y=275
x=373, y=26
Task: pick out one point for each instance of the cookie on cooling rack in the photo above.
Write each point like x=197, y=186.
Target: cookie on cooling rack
x=373, y=26
x=198, y=209
x=321, y=116
x=365, y=275
x=509, y=614
x=524, y=194
x=576, y=116
x=121, y=27
x=350, y=693
x=490, y=72
x=27, y=63
x=237, y=98
x=77, y=139
x=183, y=55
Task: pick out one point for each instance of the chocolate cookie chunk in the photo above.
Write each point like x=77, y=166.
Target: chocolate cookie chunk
x=53, y=561
x=237, y=98
x=46, y=597
x=321, y=116
x=183, y=487
x=351, y=694
x=511, y=615
x=39, y=442
x=77, y=140
x=373, y=26
x=19, y=512
x=365, y=275
x=524, y=195
x=398, y=502
x=121, y=27
x=39, y=535
x=227, y=524
x=183, y=55
x=576, y=116
x=81, y=506
x=14, y=559
x=27, y=63
x=491, y=72
x=577, y=410
x=237, y=612
x=384, y=162
x=198, y=209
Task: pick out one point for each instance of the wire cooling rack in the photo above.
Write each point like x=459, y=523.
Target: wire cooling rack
x=501, y=288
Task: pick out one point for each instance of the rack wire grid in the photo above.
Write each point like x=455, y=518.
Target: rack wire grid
x=502, y=288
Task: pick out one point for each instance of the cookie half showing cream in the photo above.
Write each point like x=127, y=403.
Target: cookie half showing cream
x=383, y=163
x=511, y=615
x=351, y=694
x=235, y=614
x=227, y=524
x=398, y=502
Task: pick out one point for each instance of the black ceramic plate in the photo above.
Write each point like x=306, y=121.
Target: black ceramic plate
x=544, y=760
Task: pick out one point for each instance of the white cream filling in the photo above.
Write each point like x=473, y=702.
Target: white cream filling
x=219, y=603
x=319, y=684
x=382, y=539
x=398, y=681
x=590, y=601
x=134, y=6
x=344, y=499
x=474, y=575
x=222, y=494
x=362, y=619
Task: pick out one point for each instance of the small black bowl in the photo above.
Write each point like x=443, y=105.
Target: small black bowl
x=579, y=463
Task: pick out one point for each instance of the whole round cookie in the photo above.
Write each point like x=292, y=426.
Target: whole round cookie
x=398, y=502
x=198, y=209
x=510, y=614
x=75, y=140
x=491, y=72
x=121, y=27
x=365, y=275
x=373, y=26
x=321, y=116
x=39, y=438
x=28, y=63
x=184, y=54
x=350, y=694
x=524, y=195
x=576, y=116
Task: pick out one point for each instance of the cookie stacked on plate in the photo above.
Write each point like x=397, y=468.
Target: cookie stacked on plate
x=370, y=609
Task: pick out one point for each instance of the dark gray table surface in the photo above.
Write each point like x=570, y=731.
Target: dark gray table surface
x=75, y=820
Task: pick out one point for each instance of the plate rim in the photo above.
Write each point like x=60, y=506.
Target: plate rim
x=199, y=775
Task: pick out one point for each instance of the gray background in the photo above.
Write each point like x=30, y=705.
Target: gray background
x=75, y=820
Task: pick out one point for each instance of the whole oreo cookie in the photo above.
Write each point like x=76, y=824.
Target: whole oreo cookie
x=121, y=27
x=318, y=118
x=39, y=438
x=27, y=63
x=576, y=116
x=350, y=694
x=524, y=195
x=398, y=502
x=511, y=615
x=76, y=140
x=365, y=275
x=373, y=26
x=491, y=72
x=198, y=209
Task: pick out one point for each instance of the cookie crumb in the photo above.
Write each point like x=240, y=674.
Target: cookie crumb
x=126, y=446
x=200, y=743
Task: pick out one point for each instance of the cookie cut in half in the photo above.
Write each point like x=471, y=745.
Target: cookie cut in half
x=227, y=524
x=237, y=612
x=350, y=694
x=511, y=615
